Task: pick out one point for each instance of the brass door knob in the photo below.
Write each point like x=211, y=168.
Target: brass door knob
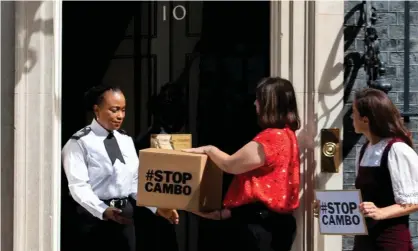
x=329, y=149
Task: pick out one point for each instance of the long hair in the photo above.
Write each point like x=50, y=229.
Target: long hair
x=277, y=101
x=384, y=118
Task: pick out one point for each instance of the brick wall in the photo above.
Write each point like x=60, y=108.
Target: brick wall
x=391, y=33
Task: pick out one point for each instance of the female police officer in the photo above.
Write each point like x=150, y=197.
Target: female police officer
x=101, y=166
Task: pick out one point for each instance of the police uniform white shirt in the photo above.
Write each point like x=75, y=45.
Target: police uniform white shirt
x=92, y=178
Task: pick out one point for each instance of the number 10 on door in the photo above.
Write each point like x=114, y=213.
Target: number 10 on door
x=178, y=13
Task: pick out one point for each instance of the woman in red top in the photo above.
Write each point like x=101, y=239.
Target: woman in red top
x=265, y=189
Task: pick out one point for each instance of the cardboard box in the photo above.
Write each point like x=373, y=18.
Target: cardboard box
x=178, y=180
x=171, y=141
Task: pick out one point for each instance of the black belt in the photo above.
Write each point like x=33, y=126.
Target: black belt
x=118, y=202
x=256, y=212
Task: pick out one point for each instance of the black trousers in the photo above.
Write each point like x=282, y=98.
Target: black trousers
x=154, y=233
x=252, y=228
x=96, y=234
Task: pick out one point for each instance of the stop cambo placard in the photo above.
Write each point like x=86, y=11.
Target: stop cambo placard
x=339, y=212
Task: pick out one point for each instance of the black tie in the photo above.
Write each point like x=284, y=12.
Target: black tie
x=112, y=149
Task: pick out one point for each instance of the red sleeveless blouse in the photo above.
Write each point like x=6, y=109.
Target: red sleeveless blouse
x=276, y=183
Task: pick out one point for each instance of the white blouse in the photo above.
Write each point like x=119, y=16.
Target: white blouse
x=402, y=165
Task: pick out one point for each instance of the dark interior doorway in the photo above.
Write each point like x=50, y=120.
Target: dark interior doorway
x=216, y=54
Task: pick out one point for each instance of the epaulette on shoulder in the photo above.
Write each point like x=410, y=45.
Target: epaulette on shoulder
x=83, y=132
x=121, y=131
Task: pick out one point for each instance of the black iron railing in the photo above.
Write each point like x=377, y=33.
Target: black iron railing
x=375, y=68
x=406, y=106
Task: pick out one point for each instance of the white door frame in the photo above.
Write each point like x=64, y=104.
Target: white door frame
x=288, y=43
x=307, y=48
x=37, y=148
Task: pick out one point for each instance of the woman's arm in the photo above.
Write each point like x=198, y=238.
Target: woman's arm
x=397, y=210
x=249, y=157
x=253, y=155
x=369, y=209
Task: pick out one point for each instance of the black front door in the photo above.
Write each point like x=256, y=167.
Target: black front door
x=217, y=52
x=214, y=51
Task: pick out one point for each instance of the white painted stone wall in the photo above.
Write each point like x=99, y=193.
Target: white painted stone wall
x=329, y=96
x=37, y=123
x=307, y=49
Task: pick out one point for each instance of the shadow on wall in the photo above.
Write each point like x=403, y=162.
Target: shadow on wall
x=18, y=59
x=26, y=30
x=353, y=61
x=30, y=24
x=333, y=68
x=330, y=116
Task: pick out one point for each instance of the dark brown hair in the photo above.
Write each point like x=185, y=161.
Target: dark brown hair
x=384, y=118
x=277, y=101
